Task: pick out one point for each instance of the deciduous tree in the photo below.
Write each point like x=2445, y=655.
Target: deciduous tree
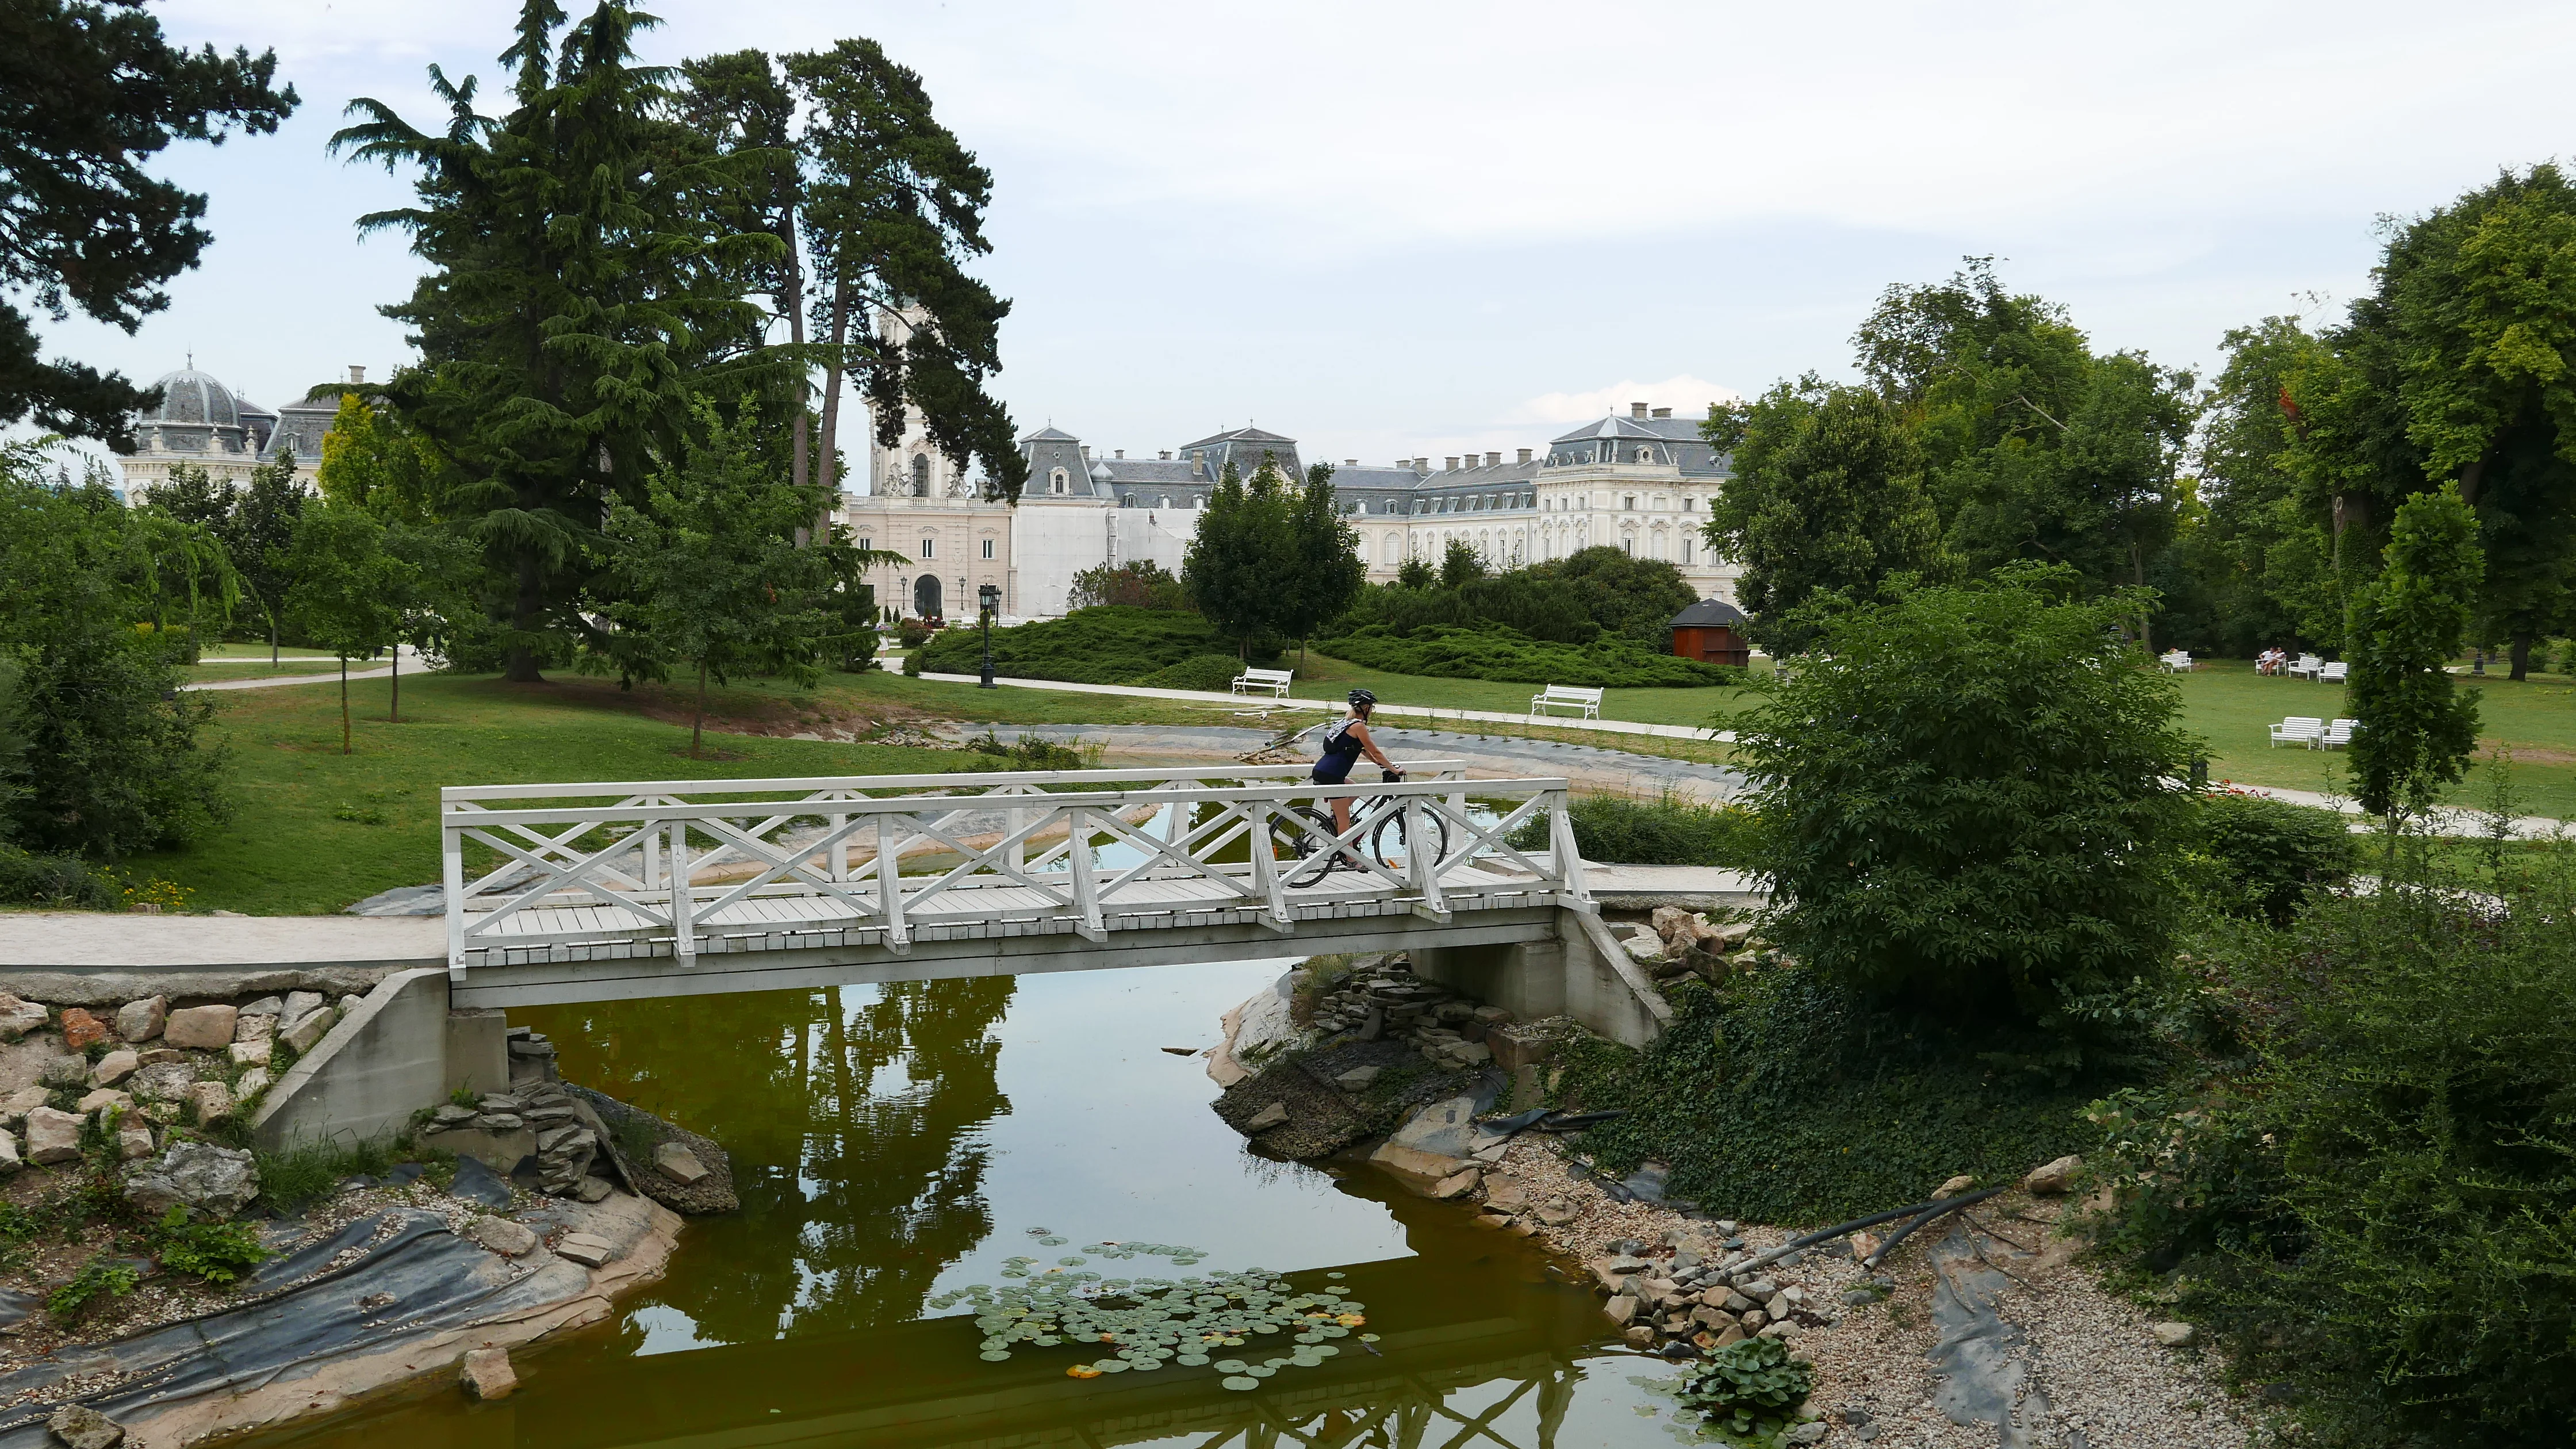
x=348, y=593
x=2417, y=729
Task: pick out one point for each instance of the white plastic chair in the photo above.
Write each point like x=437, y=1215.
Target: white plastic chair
x=2332, y=673
x=2338, y=734
x=2307, y=667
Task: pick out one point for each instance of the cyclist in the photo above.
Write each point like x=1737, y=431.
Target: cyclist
x=1344, y=743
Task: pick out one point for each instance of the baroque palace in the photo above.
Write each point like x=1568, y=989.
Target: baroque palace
x=1639, y=482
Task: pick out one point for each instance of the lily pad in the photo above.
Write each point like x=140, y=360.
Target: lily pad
x=1192, y=1360
x=1239, y=1384
x=992, y=1355
x=1229, y=1365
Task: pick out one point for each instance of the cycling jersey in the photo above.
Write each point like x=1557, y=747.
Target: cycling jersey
x=1341, y=752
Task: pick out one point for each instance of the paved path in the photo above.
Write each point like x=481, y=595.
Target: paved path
x=410, y=656
x=2452, y=820
x=1335, y=706
x=92, y=940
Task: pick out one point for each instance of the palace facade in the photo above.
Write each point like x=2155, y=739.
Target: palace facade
x=202, y=422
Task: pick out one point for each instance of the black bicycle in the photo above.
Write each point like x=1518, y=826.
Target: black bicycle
x=1381, y=838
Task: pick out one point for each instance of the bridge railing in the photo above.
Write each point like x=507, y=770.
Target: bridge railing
x=680, y=867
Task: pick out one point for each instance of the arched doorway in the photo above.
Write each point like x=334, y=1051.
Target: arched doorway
x=925, y=598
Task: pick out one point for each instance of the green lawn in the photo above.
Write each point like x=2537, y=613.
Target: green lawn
x=316, y=830
x=2232, y=707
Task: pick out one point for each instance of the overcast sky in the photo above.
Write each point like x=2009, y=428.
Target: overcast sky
x=1393, y=229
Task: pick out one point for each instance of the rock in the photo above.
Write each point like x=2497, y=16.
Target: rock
x=1358, y=1079
x=1732, y=1333
x=268, y=1006
x=213, y=1101
x=1643, y=948
x=200, y=1028
x=1808, y=1433
x=83, y=1427
x=80, y=1029
x=140, y=1021
x=64, y=1072
x=2174, y=1335
x=1863, y=1244
x=593, y=1189
x=134, y=1139
x=53, y=1136
x=1954, y=1186
x=1274, y=1115
x=452, y=1115
x=2052, y=1178
x=17, y=1018
x=589, y=1250
x=115, y=1067
x=675, y=1161
x=1641, y=1336
x=301, y=1004
x=163, y=1081
x=103, y=1097
x=1466, y=1053
x=1859, y=1297
x=1457, y=1184
x=247, y=1028
x=564, y=1155
x=22, y=1102
x=253, y=1053
x=1781, y=1329
x=308, y=1032
x=1504, y=1194
x=9, y=1162
x=1711, y=1318
x=486, y=1374
x=1518, y=1044
x=252, y=1083
x=1557, y=1214
x=209, y=1181
x=157, y=1055
x=1622, y=1309
x=1614, y=1272
x=502, y=1236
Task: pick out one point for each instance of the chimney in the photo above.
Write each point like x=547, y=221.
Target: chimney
x=1453, y=465
x=1167, y=455
x=1636, y=410
x=357, y=374
x=1350, y=462
x=1118, y=452
x=1086, y=452
x=1663, y=412
x=1495, y=460
x=1525, y=455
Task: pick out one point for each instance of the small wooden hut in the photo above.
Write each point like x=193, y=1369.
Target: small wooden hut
x=1712, y=630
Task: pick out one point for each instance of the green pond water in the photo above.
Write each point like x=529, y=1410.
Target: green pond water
x=891, y=1144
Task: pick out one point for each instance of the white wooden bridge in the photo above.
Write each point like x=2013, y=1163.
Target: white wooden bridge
x=586, y=892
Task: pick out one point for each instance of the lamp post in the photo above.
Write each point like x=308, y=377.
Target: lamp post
x=990, y=596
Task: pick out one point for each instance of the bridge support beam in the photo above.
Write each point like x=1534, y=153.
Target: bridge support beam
x=1580, y=972
x=398, y=1050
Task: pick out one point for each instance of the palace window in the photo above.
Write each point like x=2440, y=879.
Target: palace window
x=1628, y=504
x=921, y=478
x=866, y=544
x=1056, y=481
x=988, y=548
x=930, y=548
x=1686, y=548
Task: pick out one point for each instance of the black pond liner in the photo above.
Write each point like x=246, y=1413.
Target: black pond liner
x=438, y=1282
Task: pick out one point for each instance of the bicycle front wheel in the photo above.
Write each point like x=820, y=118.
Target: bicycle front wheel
x=1389, y=847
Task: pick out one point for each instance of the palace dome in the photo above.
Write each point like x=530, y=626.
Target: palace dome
x=190, y=396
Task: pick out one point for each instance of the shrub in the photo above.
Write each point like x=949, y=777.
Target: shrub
x=1106, y=645
x=1199, y=671
x=1496, y=651
x=58, y=882
x=1667, y=830
x=1141, y=584
x=1789, y=1098
x=100, y=1275
x=1750, y=1388
x=2265, y=857
x=912, y=633
x=1965, y=799
x=2375, y=1211
x=216, y=1252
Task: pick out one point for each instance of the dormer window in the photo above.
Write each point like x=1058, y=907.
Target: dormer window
x=1058, y=483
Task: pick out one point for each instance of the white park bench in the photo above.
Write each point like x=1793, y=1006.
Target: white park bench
x=2332, y=673
x=1274, y=680
x=2298, y=730
x=1566, y=696
x=2338, y=734
x=2308, y=665
x=2176, y=661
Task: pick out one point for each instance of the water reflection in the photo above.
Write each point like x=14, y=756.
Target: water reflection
x=855, y=1121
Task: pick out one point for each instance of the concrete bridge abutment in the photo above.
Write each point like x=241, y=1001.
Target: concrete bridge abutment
x=1579, y=972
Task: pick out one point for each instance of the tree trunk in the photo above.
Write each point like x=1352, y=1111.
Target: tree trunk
x=344, y=704
x=2521, y=657
x=698, y=722
x=272, y=641
x=522, y=667
x=393, y=713
x=834, y=340
x=799, y=462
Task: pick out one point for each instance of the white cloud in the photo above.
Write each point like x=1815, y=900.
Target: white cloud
x=1686, y=395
